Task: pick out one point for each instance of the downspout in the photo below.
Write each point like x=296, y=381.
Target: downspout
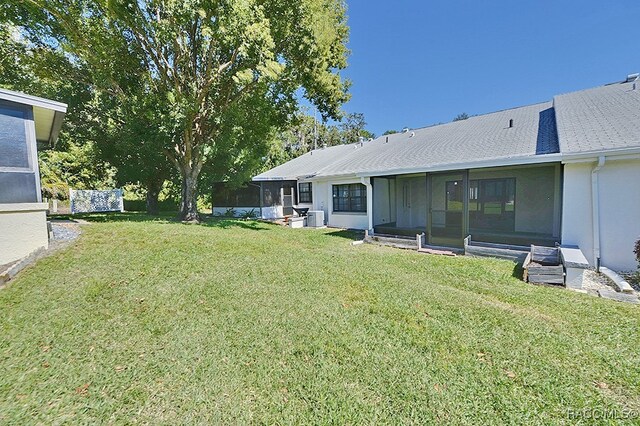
x=366, y=181
x=595, y=213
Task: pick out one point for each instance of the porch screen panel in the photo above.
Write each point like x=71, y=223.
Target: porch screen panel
x=514, y=205
x=492, y=204
x=14, y=151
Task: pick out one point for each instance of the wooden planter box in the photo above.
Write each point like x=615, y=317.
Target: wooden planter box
x=543, y=266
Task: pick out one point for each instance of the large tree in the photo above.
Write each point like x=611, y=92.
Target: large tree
x=203, y=61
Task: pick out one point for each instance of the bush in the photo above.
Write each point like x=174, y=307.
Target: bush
x=636, y=250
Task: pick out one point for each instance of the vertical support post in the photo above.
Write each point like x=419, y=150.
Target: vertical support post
x=465, y=202
x=366, y=181
x=261, y=201
x=55, y=205
x=428, y=236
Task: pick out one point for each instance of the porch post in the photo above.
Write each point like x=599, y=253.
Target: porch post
x=465, y=203
x=366, y=181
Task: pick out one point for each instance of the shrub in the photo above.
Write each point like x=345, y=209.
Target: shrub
x=636, y=250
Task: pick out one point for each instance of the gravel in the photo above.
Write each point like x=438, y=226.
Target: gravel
x=593, y=281
x=65, y=231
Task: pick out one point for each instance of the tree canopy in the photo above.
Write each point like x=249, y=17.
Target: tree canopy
x=221, y=74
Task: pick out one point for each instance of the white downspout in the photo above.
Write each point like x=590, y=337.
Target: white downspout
x=366, y=181
x=595, y=213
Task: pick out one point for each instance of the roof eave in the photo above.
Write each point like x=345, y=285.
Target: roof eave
x=24, y=99
x=502, y=162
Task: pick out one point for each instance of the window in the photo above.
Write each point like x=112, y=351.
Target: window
x=304, y=192
x=350, y=198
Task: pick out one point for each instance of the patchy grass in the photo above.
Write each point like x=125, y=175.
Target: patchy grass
x=153, y=321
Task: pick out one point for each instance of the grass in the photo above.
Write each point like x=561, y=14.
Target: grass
x=157, y=322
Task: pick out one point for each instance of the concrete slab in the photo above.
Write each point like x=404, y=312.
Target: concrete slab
x=619, y=297
x=618, y=281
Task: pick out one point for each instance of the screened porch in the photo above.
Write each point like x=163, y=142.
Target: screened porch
x=507, y=205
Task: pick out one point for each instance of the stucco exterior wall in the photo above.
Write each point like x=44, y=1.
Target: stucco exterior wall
x=23, y=229
x=619, y=205
x=323, y=200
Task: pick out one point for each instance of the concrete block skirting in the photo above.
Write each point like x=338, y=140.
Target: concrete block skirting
x=575, y=263
x=23, y=230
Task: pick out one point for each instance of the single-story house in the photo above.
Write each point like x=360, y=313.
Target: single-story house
x=25, y=122
x=565, y=171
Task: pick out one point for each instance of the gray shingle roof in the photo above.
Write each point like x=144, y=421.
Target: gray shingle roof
x=599, y=119
x=481, y=138
x=308, y=164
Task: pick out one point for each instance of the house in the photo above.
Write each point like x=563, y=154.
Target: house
x=566, y=171
x=25, y=122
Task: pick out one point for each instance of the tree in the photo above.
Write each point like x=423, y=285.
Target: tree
x=353, y=128
x=389, y=132
x=461, y=116
x=129, y=136
x=203, y=61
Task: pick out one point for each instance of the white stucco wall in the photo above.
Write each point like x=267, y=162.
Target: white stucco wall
x=323, y=200
x=23, y=229
x=619, y=204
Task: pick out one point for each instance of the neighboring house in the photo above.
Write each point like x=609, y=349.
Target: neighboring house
x=268, y=200
x=25, y=122
x=565, y=171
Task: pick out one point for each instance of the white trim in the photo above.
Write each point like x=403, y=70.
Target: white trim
x=23, y=207
x=24, y=99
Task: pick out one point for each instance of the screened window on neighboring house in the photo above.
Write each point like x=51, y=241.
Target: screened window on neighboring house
x=350, y=198
x=304, y=192
x=18, y=181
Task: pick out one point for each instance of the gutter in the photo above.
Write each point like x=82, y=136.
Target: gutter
x=506, y=161
x=595, y=209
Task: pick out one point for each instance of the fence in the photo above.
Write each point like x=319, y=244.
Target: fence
x=93, y=201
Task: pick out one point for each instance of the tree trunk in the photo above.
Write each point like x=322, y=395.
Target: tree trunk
x=189, y=199
x=153, y=191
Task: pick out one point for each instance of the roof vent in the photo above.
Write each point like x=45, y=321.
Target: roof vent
x=632, y=77
x=510, y=122
x=412, y=134
x=405, y=130
x=361, y=139
x=370, y=139
x=387, y=140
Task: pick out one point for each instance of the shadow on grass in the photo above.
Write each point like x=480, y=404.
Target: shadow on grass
x=518, y=271
x=165, y=217
x=118, y=217
x=350, y=234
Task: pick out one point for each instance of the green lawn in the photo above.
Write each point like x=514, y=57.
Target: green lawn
x=244, y=322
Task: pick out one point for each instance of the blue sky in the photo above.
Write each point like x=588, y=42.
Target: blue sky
x=415, y=63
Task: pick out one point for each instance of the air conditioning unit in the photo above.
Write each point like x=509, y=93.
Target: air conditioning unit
x=315, y=219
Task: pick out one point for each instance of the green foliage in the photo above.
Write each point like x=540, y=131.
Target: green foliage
x=636, y=251
x=389, y=132
x=221, y=75
x=74, y=168
x=461, y=116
